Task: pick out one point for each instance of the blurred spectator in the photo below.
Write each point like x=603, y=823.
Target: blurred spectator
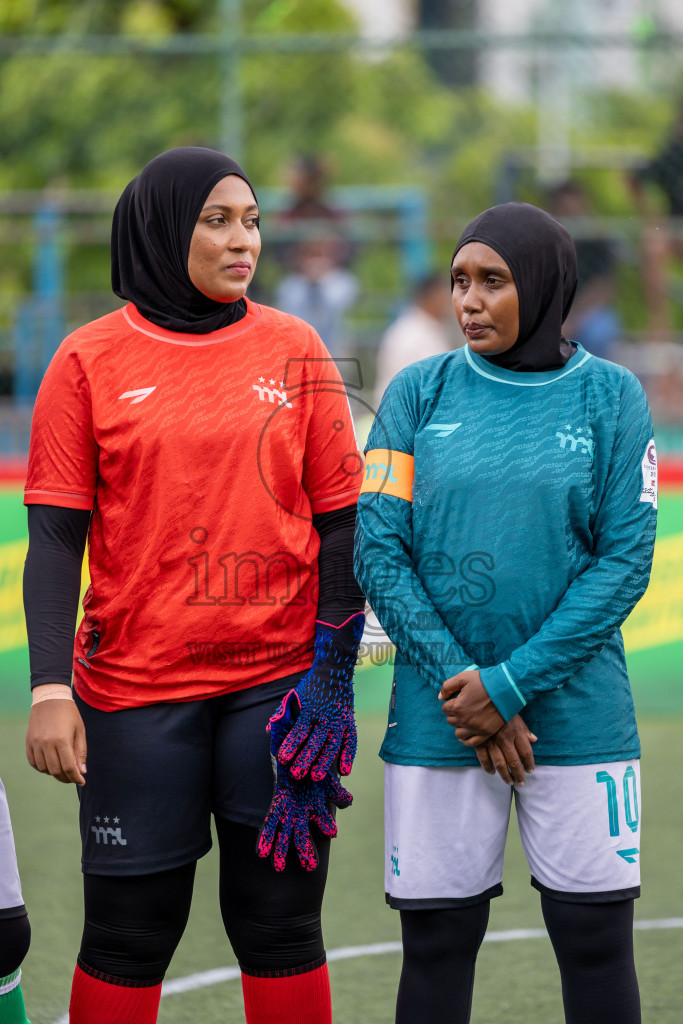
x=309, y=211
x=665, y=172
x=318, y=287
x=6, y=380
x=308, y=182
x=593, y=320
x=319, y=291
x=418, y=332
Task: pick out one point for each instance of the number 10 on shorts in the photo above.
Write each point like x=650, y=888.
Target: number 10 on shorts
x=630, y=800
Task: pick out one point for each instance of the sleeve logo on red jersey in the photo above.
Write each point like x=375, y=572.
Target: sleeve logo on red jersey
x=138, y=396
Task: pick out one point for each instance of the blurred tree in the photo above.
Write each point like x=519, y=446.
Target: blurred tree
x=91, y=120
x=94, y=119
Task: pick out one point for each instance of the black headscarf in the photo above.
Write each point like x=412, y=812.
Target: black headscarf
x=150, y=240
x=541, y=256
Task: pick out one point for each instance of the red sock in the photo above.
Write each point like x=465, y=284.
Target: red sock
x=288, y=998
x=97, y=998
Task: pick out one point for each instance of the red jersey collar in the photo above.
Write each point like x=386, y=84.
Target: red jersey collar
x=139, y=323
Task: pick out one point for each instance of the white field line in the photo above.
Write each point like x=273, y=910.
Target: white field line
x=220, y=974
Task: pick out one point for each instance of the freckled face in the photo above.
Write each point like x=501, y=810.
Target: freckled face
x=226, y=241
x=485, y=299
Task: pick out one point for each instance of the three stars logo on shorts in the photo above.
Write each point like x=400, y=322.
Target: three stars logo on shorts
x=104, y=833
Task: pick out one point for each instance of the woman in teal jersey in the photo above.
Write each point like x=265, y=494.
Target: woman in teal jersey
x=505, y=531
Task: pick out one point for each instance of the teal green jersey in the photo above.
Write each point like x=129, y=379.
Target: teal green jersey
x=507, y=521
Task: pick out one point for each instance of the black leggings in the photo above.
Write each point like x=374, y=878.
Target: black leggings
x=133, y=924
x=593, y=943
x=439, y=953
x=15, y=938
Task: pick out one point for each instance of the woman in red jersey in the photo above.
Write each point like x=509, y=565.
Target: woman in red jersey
x=204, y=446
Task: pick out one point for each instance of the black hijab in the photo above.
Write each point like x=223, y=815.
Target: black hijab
x=150, y=240
x=541, y=256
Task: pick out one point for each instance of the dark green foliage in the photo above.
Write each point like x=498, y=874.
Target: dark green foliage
x=87, y=119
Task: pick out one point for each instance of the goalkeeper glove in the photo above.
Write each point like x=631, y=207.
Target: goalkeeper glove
x=295, y=804
x=325, y=728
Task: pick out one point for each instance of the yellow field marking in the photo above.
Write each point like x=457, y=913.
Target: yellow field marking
x=12, y=625
x=658, y=618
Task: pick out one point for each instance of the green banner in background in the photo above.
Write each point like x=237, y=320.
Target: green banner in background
x=653, y=634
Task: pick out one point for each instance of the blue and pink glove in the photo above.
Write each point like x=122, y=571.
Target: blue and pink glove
x=323, y=734
x=296, y=803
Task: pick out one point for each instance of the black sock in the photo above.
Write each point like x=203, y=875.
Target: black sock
x=15, y=938
x=593, y=943
x=439, y=953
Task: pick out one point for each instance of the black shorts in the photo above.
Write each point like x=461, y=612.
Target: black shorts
x=157, y=773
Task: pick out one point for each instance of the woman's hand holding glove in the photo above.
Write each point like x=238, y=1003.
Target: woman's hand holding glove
x=321, y=706
x=312, y=733
x=296, y=803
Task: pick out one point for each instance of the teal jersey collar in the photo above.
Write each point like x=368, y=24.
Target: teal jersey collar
x=533, y=379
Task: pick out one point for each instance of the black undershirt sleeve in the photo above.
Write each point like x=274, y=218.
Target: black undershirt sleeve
x=52, y=587
x=339, y=595
x=52, y=581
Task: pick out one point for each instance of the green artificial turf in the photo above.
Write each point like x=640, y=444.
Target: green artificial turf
x=515, y=980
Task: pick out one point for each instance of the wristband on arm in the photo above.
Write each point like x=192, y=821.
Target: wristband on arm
x=50, y=691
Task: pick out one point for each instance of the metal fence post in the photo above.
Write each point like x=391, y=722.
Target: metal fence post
x=40, y=323
x=230, y=102
x=416, y=247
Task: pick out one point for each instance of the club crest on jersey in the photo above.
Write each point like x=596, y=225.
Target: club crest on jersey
x=576, y=439
x=267, y=392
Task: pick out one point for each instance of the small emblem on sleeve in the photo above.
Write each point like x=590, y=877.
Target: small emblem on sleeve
x=389, y=472
x=138, y=396
x=649, y=468
x=444, y=429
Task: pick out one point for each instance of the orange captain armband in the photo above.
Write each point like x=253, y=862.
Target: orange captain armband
x=388, y=472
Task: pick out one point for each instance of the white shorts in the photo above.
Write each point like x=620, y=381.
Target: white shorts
x=445, y=831
x=10, y=886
